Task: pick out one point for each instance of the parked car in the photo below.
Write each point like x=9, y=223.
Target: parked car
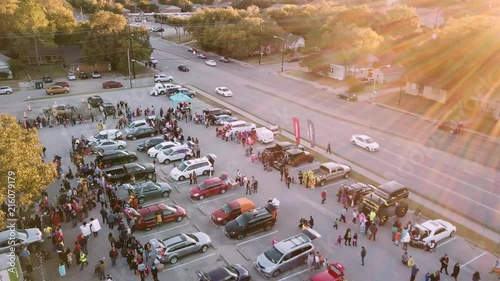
x=231, y=210
x=202, y=56
x=221, y=119
x=55, y=89
x=71, y=76
x=153, y=151
x=142, y=132
x=162, y=78
x=209, y=187
x=217, y=111
x=183, y=68
x=15, y=238
x=62, y=84
x=122, y=174
x=143, y=191
x=161, y=89
x=201, y=166
x=174, y=154
x=331, y=171
x=453, y=127
x=211, y=63
x=169, y=213
x=5, y=90
x=334, y=272
x=170, y=249
x=184, y=91
x=47, y=79
x=235, y=272
x=241, y=126
x=95, y=101
x=224, y=60
x=356, y=191
x=112, y=134
x=106, y=145
x=347, y=96
x=152, y=59
x=95, y=74
x=147, y=144
x=111, y=84
x=256, y=220
x=365, y=142
x=432, y=230
x=108, y=108
x=84, y=75
x=115, y=157
x=223, y=91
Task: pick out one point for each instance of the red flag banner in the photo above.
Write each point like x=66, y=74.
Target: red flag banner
x=296, y=130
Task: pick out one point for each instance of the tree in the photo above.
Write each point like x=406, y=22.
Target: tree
x=104, y=22
x=24, y=174
x=30, y=18
x=397, y=21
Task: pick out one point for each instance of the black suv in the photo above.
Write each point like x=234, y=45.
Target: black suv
x=183, y=68
x=122, y=174
x=258, y=219
x=355, y=191
x=384, y=197
x=453, y=127
x=95, y=101
x=147, y=144
x=347, y=96
x=115, y=157
x=217, y=112
x=296, y=156
x=108, y=108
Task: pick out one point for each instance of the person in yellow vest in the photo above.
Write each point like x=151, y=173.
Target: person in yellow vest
x=83, y=260
x=159, y=219
x=372, y=215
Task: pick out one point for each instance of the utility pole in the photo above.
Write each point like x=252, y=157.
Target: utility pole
x=260, y=38
x=130, y=35
x=36, y=51
x=129, y=72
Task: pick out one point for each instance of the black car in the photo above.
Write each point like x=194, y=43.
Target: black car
x=84, y=75
x=453, y=127
x=122, y=174
x=233, y=272
x=115, y=157
x=347, y=96
x=293, y=59
x=142, y=132
x=216, y=112
x=296, y=157
x=95, y=101
x=183, y=68
x=258, y=219
x=355, y=191
x=108, y=108
x=224, y=60
x=147, y=144
x=47, y=79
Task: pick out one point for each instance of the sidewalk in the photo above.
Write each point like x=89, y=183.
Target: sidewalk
x=491, y=235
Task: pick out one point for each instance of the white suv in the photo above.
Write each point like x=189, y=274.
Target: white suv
x=163, y=78
x=174, y=153
x=5, y=90
x=200, y=166
x=161, y=89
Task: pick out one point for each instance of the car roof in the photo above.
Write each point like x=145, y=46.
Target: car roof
x=212, y=181
x=173, y=240
x=294, y=151
x=289, y=244
x=218, y=273
x=152, y=208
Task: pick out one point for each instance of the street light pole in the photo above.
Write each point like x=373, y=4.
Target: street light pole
x=374, y=93
x=283, y=51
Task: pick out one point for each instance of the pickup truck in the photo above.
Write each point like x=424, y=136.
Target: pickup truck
x=296, y=157
x=162, y=89
x=276, y=152
x=331, y=171
x=123, y=173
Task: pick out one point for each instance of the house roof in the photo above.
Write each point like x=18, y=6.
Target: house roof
x=290, y=39
x=71, y=53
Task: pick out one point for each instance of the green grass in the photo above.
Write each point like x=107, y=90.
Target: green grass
x=323, y=80
x=54, y=71
x=184, y=38
x=139, y=70
x=265, y=60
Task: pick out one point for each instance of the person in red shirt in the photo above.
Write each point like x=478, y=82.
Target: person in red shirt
x=135, y=203
x=55, y=220
x=323, y=197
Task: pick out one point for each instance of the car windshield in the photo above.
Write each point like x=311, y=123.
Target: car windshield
x=167, y=151
x=273, y=255
x=202, y=186
x=100, y=136
x=182, y=167
x=193, y=237
x=369, y=140
x=22, y=234
x=242, y=220
x=226, y=208
x=424, y=232
x=231, y=270
x=158, y=146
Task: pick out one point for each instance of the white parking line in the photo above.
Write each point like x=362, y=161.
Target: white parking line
x=473, y=259
x=293, y=275
x=446, y=242
x=172, y=228
x=219, y=197
x=241, y=243
x=180, y=265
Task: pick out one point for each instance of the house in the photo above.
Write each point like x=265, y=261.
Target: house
x=343, y=68
x=390, y=74
x=428, y=89
x=70, y=57
x=5, y=67
x=294, y=42
x=169, y=9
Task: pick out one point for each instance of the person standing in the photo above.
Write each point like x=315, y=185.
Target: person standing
x=363, y=255
x=255, y=184
x=288, y=181
x=154, y=272
x=347, y=237
x=111, y=220
x=373, y=232
x=323, y=197
x=355, y=240
x=329, y=148
x=25, y=256
x=311, y=221
x=159, y=219
x=343, y=213
x=310, y=261
x=301, y=177
x=83, y=260
x=113, y=254
x=414, y=271
x=101, y=270
x=456, y=271
x=336, y=224
x=195, y=179
x=476, y=276
x=444, y=264
x=191, y=178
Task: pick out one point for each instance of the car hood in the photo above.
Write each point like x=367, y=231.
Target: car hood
x=152, y=150
x=195, y=190
x=374, y=145
x=323, y=276
x=242, y=271
x=202, y=238
x=164, y=186
x=264, y=262
x=219, y=214
x=149, y=166
x=446, y=224
x=233, y=226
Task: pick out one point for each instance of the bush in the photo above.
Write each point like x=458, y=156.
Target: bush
x=354, y=85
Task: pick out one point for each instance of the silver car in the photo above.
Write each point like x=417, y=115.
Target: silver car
x=31, y=237
x=5, y=90
x=107, y=145
x=219, y=120
x=170, y=249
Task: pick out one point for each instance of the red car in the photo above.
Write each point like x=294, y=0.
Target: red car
x=335, y=272
x=147, y=215
x=111, y=84
x=209, y=187
x=62, y=84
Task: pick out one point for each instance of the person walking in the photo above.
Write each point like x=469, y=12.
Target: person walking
x=101, y=270
x=347, y=237
x=83, y=260
x=159, y=219
x=363, y=255
x=104, y=215
x=195, y=179
x=476, y=276
x=311, y=221
x=444, y=264
x=373, y=232
x=255, y=184
x=111, y=220
x=397, y=237
x=343, y=213
x=414, y=271
x=113, y=255
x=336, y=224
x=354, y=215
x=301, y=177
x=355, y=240
x=310, y=261
x=323, y=197
x=288, y=181
x=141, y=267
x=154, y=272
x=329, y=148
x=456, y=271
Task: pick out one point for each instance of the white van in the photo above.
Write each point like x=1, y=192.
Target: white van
x=264, y=135
x=241, y=126
x=135, y=124
x=200, y=166
x=112, y=134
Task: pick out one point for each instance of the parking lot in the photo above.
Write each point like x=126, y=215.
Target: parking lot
x=383, y=258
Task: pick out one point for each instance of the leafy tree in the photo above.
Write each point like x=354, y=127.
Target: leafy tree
x=30, y=18
x=24, y=174
x=104, y=22
x=397, y=21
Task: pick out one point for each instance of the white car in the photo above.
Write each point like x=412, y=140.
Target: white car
x=211, y=63
x=163, y=78
x=5, y=90
x=223, y=91
x=365, y=142
x=174, y=153
x=436, y=230
x=71, y=76
x=95, y=74
x=112, y=134
x=152, y=59
x=107, y=145
x=153, y=151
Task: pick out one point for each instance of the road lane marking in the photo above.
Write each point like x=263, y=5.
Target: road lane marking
x=253, y=239
x=181, y=265
x=468, y=172
x=446, y=242
x=488, y=179
x=215, y=199
x=172, y=228
x=293, y=275
x=473, y=259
